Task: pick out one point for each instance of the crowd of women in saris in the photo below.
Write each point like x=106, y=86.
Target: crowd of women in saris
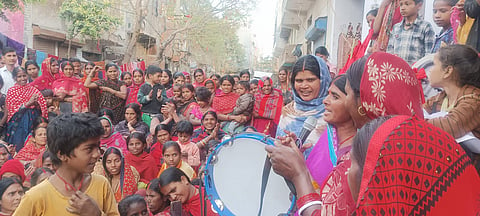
x=153, y=120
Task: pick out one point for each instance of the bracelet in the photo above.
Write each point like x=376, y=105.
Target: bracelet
x=307, y=198
x=317, y=202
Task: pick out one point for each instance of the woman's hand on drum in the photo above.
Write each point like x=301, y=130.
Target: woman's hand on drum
x=287, y=160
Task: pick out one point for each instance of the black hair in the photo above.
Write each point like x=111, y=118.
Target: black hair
x=362, y=140
x=109, y=65
x=122, y=76
x=1, y=82
x=90, y=63
x=283, y=68
x=372, y=12
x=172, y=174
x=45, y=155
x=8, y=50
x=160, y=127
x=169, y=144
x=254, y=81
x=340, y=82
x=31, y=62
x=74, y=60
x=216, y=75
x=67, y=131
x=355, y=73
x=466, y=62
x=246, y=71
x=39, y=120
x=65, y=63
x=124, y=205
x=136, y=108
x=6, y=150
x=177, y=75
x=17, y=70
x=154, y=185
x=245, y=84
x=5, y=183
x=210, y=81
x=322, y=51
x=449, y=2
x=137, y=70
x=184, y=126
x=227, y=78
x=152, y=69
x=170, y=80
x=137, y=135
x=307, y=62
x=189, y=87
x=106, y=112
x=47, y=92
x=109, y=151
x=37, y=173
x=198, y=70
x=210, y=112
x=418, y=1
x=203, y=94
x=249, y=127
x=235, y=76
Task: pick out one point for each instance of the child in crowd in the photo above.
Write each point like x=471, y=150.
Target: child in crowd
x=40, y=174
x=244, y=106
x=52, y=104
x=161, y=136
x=133, y=205
x=442, y=9
x=190, y=152
x=254, y=86
x=73, y=140
x=138, y=158
x=172, y=158
x=412, y=38
x=155, y=201
x=152, y=94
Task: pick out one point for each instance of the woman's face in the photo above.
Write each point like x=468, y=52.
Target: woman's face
x=267, y=87
x=436, y=75
x=127, y=79
x=282, y=76
x=352, y=104
x=106, y=128
x=245, y=77
x=164, y=79
x=68, y=70
x=137, y=78
x=32, y=71
x=3, y=156
x=307, y=85
x=199, y=77
x=172, y=156
x=352, y=177
x=210, y=87
x=202, y=104
x=130, y=115
x=154, y=201
x=335, y=110
x=54, y=67
x=163, y=136
x=113, y=163
x=48, y=164
x=180, y=80
x=22, y=78
x=187, y=94
x=135, y=146
x=89, y=68
x=209, y=122
x=188, y=79
x=177, y=191
x=41, y=136
x=11, y=198
x=226, y=87
x=112, y=73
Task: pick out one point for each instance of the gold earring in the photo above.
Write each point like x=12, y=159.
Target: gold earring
x=361, y=111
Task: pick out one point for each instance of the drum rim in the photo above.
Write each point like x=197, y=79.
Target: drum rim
x=211, y=191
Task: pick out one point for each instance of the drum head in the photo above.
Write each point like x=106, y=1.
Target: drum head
x=234, y=179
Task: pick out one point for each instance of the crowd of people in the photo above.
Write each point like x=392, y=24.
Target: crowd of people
x=81, y=139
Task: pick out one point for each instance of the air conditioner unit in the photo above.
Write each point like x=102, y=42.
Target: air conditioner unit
x=317, y=29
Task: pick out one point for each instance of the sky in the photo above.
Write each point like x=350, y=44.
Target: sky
x=263, y=25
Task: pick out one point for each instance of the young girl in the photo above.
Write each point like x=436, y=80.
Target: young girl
x=172, y=157
x=176, y=186
x=133, y=205
x=138, y=158
x=178, y=79
x=212, y=86
x=126, y=78
x=162, y=135
x=155, y=201
x=114, y=91
x=442, y=9
x=122, y=177
x=132, y=91
x=189, y=103
x=254, y=86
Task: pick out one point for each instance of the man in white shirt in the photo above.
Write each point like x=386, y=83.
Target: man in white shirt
x=10, y=59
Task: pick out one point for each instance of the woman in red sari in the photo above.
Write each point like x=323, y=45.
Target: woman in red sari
x=122, y=177
x=50, y=68
x=224, y=102
x=70, y=91
x=33, y=149
x=268, y=108
x=138, y=158
x=132, y=91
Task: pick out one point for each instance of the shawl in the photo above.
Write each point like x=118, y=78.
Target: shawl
x=30, y=152
x=269, y=106
x=133, y=93
x=45, y=81
x=140, y=126
x=143, y=164
x=225, y=103
x=187, y=169
x=294, y=114
x=391, y=17
x=389, y=86
x=415, y=168
x=72, y=86
x=18, y=95
x=114, y=140
x=156, y=153
x=128, y=182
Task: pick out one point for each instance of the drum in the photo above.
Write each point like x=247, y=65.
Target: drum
x=233, y=179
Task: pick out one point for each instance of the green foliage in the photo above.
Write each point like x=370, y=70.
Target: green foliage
x=89, y=18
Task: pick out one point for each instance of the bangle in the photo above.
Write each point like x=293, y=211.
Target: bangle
x=307, y=198
x=317, y=202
